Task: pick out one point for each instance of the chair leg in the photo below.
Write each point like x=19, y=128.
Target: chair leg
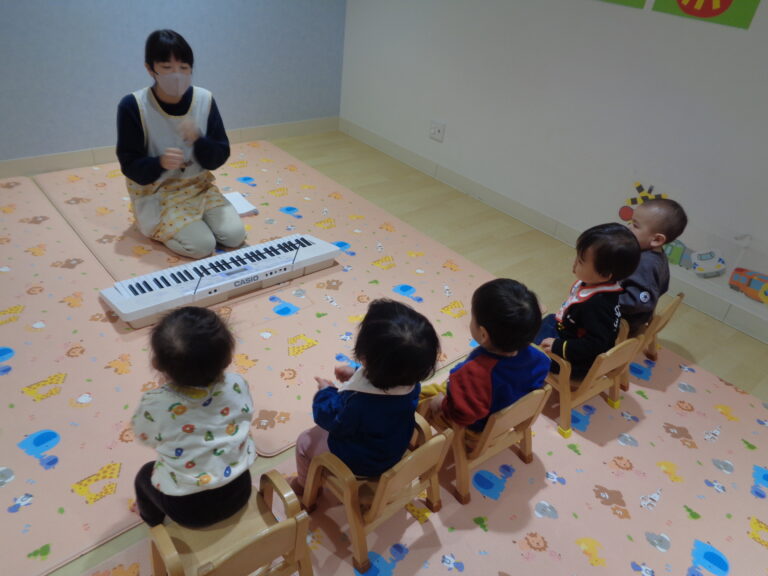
x=357, y=533
x=461, y=467
x=624, y=379
x=158, y=565
x=312, y=487
x=651, y=350
x=613, y=399
x=359, y=548
x=434, y=503
x=565, y=412
x=305, y=565
x=526, y=447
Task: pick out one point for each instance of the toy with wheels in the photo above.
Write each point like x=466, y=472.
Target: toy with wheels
x=750, y=283
x=708, y=263
x=678, y=254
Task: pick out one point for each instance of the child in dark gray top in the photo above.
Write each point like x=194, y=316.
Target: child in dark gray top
x=654, y=223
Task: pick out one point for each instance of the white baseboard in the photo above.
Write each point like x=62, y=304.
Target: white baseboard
x=711, y=296
x=103, y=155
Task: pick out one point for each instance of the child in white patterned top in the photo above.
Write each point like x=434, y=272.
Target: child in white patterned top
x=198, y=422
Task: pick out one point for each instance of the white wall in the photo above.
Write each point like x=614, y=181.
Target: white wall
x=561, y=105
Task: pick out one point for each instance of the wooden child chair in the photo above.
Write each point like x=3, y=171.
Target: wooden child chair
x=370, y=501
x=604, y=378
x=507, y=428
x=250, y=540
x=657, y=324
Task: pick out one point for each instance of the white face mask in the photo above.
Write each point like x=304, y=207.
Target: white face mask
x=174, y=84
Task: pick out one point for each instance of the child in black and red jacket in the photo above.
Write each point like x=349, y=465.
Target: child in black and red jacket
x=588, y=321
x=502, y=369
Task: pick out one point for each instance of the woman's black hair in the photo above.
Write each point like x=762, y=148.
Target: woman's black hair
x=509, y=312
x=615, y=250
x=396, y=345
x=192, y=346
x=162, y=44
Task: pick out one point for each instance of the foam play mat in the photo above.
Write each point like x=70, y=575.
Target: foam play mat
x=77, y=371
x=670, y=483
x=673, y=482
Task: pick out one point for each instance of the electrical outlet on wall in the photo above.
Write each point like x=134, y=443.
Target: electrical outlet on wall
x=437, y=131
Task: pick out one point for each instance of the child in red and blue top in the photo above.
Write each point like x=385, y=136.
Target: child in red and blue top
x=588, y=321
x=198, y=422
x=503, y=368
x=368, y=420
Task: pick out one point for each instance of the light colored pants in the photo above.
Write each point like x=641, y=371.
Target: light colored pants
x=309, y=444
x=198, y=239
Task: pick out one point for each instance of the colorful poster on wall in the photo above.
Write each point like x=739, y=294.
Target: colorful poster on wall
x=736, y=13
x=631, y=3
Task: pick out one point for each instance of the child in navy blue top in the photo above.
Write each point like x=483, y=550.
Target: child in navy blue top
x=368, y=420
x=502, y=369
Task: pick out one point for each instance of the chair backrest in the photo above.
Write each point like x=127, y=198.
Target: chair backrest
x=518, y=416
x=256, y=550
x=614, y=360
x=406, y=479
x=248, y=541
x=661, y=319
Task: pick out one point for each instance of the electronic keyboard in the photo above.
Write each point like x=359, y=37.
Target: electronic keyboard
x=143, y=300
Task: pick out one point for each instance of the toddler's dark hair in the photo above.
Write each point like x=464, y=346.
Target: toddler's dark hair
x=192, y=346
x=615, y=249
x=509, y=312
x=396, y=345
x=670, y=219
x=162, y=44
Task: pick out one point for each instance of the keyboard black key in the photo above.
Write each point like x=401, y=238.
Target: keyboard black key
x=133, y=290
x=147, y=286
x=140, y=288
x=157, y=282
x=165, y=281
x=175, y=278
x=188, y=275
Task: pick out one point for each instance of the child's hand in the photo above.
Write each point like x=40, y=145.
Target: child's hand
x=188, y=131
x=546, y=344
x=172, y=159
x=343, y=372
x=436, y=404
x=324, y=383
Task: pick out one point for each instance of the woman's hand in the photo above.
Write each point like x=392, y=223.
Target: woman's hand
x=172, y=159
x=188, y=131
x=546, y=344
